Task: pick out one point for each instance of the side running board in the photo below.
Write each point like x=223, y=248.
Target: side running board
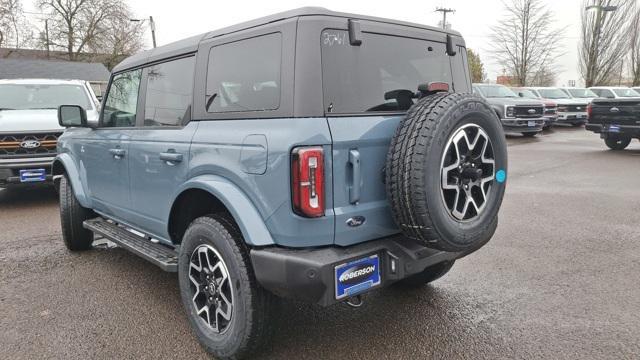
x=162, y=256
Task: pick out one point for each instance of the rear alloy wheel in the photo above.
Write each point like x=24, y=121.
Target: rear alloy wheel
x=229, y=311
x=211, y=288
x=615, y=142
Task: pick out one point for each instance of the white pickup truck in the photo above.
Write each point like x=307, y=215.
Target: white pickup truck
x=29, y=127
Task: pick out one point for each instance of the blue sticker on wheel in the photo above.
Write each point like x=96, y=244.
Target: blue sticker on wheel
x=357, y=276
x=501, y=176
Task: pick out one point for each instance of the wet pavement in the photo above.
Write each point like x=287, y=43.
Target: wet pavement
x=560, y=279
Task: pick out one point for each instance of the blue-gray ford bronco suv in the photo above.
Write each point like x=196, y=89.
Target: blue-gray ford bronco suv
x=310, y=155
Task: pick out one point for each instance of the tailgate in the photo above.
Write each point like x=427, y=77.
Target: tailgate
x=618, y=112
x=360, y=147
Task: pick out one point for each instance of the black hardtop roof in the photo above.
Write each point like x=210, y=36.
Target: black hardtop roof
x=191, y=44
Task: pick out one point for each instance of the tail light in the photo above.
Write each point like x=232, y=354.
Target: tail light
x=589, y=111
x=307, y=181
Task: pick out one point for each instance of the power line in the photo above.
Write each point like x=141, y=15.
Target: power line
x=444, y=12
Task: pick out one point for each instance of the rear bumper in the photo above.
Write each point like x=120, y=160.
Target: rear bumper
x=309, y=274
x=10, y=168
x=621, y=130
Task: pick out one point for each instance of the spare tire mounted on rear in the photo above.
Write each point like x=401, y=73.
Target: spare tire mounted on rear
x=446, y=170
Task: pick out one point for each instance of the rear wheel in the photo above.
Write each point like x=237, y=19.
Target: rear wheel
x=228, y=310
x=617, y=142
x=446, y=171
x=72, y=215
x=428, y=275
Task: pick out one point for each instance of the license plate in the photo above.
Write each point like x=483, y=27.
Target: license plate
x=531, y=123
x=614, y=128
x=357, y=276
x=33, y=175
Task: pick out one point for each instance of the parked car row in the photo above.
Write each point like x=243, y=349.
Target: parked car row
x=519, y=108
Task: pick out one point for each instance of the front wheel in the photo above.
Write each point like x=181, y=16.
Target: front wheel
x=72, y=215
x=228, y=310
x=617, y=142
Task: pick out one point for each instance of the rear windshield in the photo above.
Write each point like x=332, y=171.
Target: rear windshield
x=626, y=93
x=582, y=93
x=366, y=78
x=41, y=96
x=553, y=94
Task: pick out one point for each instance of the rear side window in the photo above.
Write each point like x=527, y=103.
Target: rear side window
x=358, y=79
x=169, y=93
x=122, y=100
x=245, y=75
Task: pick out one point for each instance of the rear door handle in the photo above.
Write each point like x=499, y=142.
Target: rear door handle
x=170, y=156
x=117, y=153
x=354, y=190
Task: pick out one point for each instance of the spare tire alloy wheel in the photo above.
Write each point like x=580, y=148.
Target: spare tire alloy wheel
x=468, y=171
x=211, y=288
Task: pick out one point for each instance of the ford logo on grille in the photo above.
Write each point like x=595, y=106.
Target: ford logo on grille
x=578, y=108
x=532, y=111
x=30, y=144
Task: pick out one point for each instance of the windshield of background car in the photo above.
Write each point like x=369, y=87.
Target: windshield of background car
x=496, y=91
x=582, y=93
x=626, y=93
x=382, y=74
x=525, y=93
x=553, y=94
x=41, y=96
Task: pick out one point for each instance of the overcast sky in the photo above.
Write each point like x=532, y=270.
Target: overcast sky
x=177, y=19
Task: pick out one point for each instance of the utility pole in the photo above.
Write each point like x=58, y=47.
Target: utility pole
x=152, y=25
x=153, y=30
x=444, y=12
x=46, y=35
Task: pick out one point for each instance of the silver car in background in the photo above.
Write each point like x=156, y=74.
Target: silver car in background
x=29, y=127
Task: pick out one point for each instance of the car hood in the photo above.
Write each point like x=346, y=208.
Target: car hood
x=33, y=120
x=514, y=101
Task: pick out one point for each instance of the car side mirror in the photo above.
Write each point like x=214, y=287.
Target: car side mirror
x=72, y=116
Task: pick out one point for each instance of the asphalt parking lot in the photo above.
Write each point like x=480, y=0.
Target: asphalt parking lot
x=559, y=280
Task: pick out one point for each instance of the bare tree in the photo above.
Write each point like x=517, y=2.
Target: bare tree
x=634, y=38
x=525, y=41
x=78, y=26
x=14, y=30
x=604, y=39
x=544, y=77
x=121, y=39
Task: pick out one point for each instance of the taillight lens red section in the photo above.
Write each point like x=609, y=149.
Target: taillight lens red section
x=589, y=111
x=307, y=181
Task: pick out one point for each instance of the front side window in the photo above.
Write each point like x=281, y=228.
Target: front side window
x=245, y=75
x=42, y=96
x=169, y=93
x=381, y=74
x=122, y=100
